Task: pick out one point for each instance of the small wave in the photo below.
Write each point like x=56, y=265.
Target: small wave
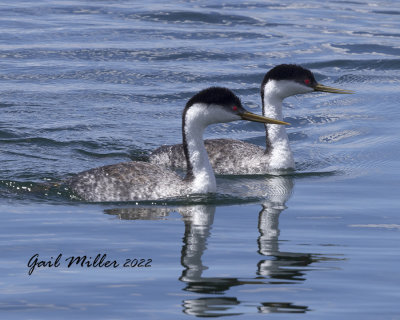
x=367, y=78
x=35, y=190
x=376, y=34
x=297, y=136
x=338, y=136
x=246, y=5
x=356, y=64
x=102, y=155
x=389, y=12
x=192, y=17
x=112, y=54
x=314, y=119
x=47, y=142
x=34, y=140
x=139, y=78
x=8, y=134
x=6, y=105
x=381, y=226
x=30, y=155
x=368, y=49
x=309, y=171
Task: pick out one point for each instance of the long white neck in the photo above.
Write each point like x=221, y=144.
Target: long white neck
x=200, y=173
x=277, y=141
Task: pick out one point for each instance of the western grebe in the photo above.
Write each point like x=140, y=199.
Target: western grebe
x=228, y=156
x=130, y=181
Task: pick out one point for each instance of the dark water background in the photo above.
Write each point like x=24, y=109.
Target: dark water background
x=89, y=83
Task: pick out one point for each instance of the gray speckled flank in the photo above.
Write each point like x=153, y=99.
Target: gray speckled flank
x=227, y=156
x=126, y=182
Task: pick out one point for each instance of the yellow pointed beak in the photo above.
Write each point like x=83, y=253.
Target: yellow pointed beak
x=321, y=87
x=256, y=118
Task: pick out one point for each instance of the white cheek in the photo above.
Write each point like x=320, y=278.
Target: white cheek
x=222, y=115
x=298, y=88
x=201, y=116
x=285, y=88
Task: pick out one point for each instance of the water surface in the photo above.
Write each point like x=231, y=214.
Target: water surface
x=85, y=84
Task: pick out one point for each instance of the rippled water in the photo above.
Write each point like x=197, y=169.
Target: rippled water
x=84, y=84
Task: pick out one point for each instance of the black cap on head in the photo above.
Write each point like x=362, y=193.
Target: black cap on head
x=289, y=72
x=215, y=95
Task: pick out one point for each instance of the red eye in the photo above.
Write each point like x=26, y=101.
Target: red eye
x=234, y=108
x=307, y=81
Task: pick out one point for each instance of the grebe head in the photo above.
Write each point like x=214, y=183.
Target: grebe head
x=216, y=105
x=287, y=80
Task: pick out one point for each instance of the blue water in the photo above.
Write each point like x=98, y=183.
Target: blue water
x=90, y=83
